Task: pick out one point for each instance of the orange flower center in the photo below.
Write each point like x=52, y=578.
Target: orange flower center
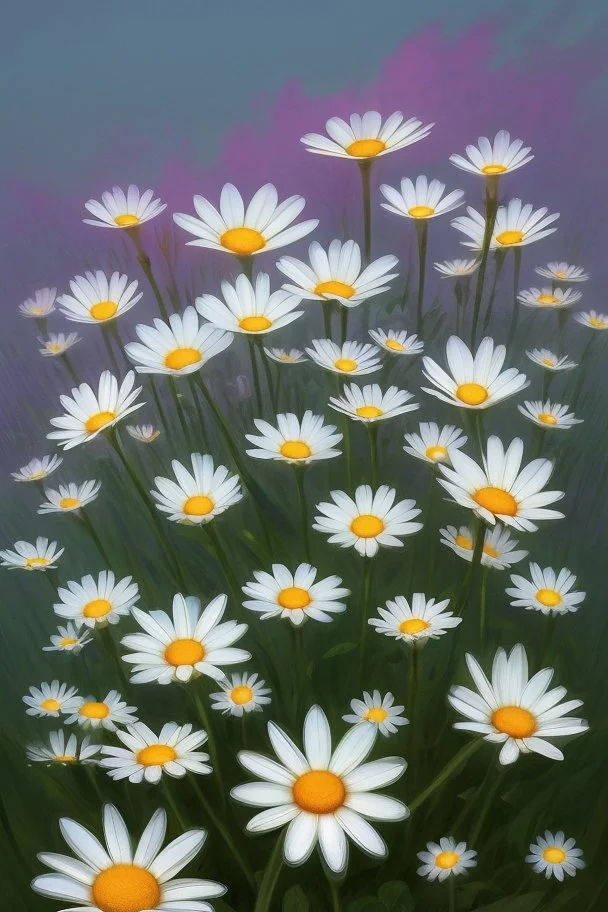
x=69, y=503
x=51, y=705
x=198, y=505
x=184, y=652
x=549, y=362
x=127, y=220
x=547, y=418
x=125, y=888
x=463, y=542
x=66, y=642
x=156, y=755
x=369, y=411
x=241, y=695
x=295, y=449
x=103, y=310
x=447, y=860
x=508, y=238
x=64, y=758
x=242, y=241
x=496, y=501
x=255, y=324
x=376, y=714
x=493, y=169
x=436, y=453
x=99, y=420
x=598, y=323
x=514, y=721
x=490, y=550
x=182, y=357
x=334, y=289
x=366, y=148
x=94, y=710
x=554, y=855
x=97, y=608
x=36, y=562
x=549, y=598
x=547, y=299
x=395, y=345
x=420, y=212
x=366, y=526
x=560, y=275
x=412, y=626
x=472, y=393
x=347, y=365
x=294, y=598
x=319, y=792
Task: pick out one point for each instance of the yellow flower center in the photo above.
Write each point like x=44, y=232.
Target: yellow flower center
x=549, y=362
x=333, y=289
x=53, y=346
x=508, y=238
x=66, y=642
x=242, y=241
x=319, y=792
x=376, y=714
x=346, y=365
x=436, y=453
x=69, y=503
x=255, y=324
x=198, y=505
x=600, y=324
x=412, y=626
x=294, y=598
x=547, y=418
x=241, y=695
x=366, y=148
x=36, y=562
x=184, y=652
x=286, y=357
x=51, y=705
x=463, y=542
x=125, y=888
x=366, y=526
x=64, y=758
x=394, y=345
x=447, y=860
x=560, y=275
x=514, y=721
x=490, y=550
x=127, y=220
x=369, y=411
x=295, y=449
x=156, y=755
x=472, y=393
x=496, y=501
x=493, y=169
x=97, y=608
x=554, y=855
x=182, y=357
x=547, y=299
x=99, y=420
x=103, y=310
x=36, y=475
x=37, y=310
x=419, y=212
x=94, y=710
x=549, y=598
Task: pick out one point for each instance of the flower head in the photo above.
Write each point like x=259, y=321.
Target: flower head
x=397, y=342
x=88, y=413
x=96, y=298
x=295, y=596
x=144, y=433
x=52, y=699
x=378, y=711
x=120, y=210
x=456, y=269
x=41, y=556
x=550, y=415
x=446, y=858
x=494, y=157
x=63, y=750
x=180, y=347
x=352, y=358
x=499, y=547
x=562, y=272
x=239, y=694
x=108, y=713
x=549, y=360
x=91, y=603
x=369, y=404
x=554, y=856
x=423, y=199
x=294, y=441
x=549, y=298
x=197, y=498
x=425, y=619
x=546, y=591
x=57, y=344
x=37, y=469
x=41, y=305
x=69, y=498
x=366, y=136
x=68, y=639
x=286, y=356
x=592, y=319
x=434, y=444
x=146, y=756
x=250, y=308
x=517, y=224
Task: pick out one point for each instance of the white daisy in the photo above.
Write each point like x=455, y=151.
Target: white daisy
x=420, y=200
x=144, y=433
x=424, y=620
x=350, y=358
x=369, y=404
x=445, y=858
x=517, y=224
x=499, y=547
x=378, y=711
x=366, y=136
x=51, y=700
x=592, y=319
x=117, y=879
x=242, y=693
x=120, y=210
x=96, y=298
x=41, y=305
x=294, y=441
x=286, y=356
x=249, y=308
x=335, y=274
x=554, y=856
x=68, y=639
x=549, y=414
x=70, y=497
x=36, y=469
x=562, y=272
x=41, y=556
x=107, y=713
x=549, y=360
x=89, y=413
x=57, y=344
x=198, y=497
x=498, y=490
x=295, y=596
x=62, y=750
x=367, y=522
x=518, y=713
x=549, y=299
x=95, y=604
x=546, y=591
x=456, y=269
x=397, y=342
x=180, y=347
x=264, y=225
x=190, y=644
x=324, y=796
x=147, y=756
x=433, y=444
x=491, y=158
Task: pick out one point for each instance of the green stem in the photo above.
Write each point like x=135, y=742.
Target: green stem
x=446, y=773
x=146, y=265
x=516, y=274
x=373, y=452
x=550, y=624
x=490, y=219
x=82, y=516
x=334, y=894
x=299, y=476
x=270, y=878
x=343, y=323
x=452, y=893
x=213, y=755
x=180, y=412
x=482, y=607
x=107, y=341
x=490, y=794
x=413, y=699
x=166, y=788
x=70, y=368
x=499, y=260
x=422, y=233
x=109, y=645
x=365, y=609
x=256, y=377
x=223, y=561
x=327, y=305
x=246, y=265
x=159, y=408
x=267, y=371
x=365, y=167
x=199, y=415
x=584, y=361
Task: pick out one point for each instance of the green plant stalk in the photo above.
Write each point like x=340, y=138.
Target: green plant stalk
x=67, y=363
x=163, y=420
x=490, y=220
x=304, y=530
x=499, y=261
x=180, y=412
x=105, y=333
x=482, y=607
x=256, y=377
x=489, y=795
x=107, y=641
x=365, y=609
x=268, y=372
x=82, y=516
x=213, y=754
x=343, y=323
x=515, y=314
x=365, y=168
x=372, y=430
x=422, y=234
x=166, y=789
x=270, y=878
x=146, y=265
x=446, y=773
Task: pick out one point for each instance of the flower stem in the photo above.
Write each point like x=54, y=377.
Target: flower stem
x=180, y=412
x=446, y=773
x=256, y=377
x=490, y=219
x=159, y=408
x=173, y=805
x=422, y=233
x=109, y=645
x=482, y=607
x=82, y=516
x=365, y=167
x=299, y=476
x=105, y=331
x=270, y=878
x=146, y=265
x=499, y=260
x=267, y=371
x=343, y=324
x=213, y=755
x=452, y=893
x=365, y=609
x=70, y=368
x=373, y=452
x=516, y=274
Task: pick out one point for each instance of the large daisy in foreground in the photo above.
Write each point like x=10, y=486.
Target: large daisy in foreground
x=249, y=307
x=118, y=209
x=197, y=497
x=88, y=413
x=366, y=135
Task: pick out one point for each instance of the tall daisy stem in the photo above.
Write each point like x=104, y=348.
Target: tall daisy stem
x=499, y=261
x=146, y=265
x=109, y=645
x=213, y=755
x=452, y=893
x=107, y=341
x=373, y=452
x=489, y=795
x=490, y=220
x=268, y=372
x=413, y=690
x=515, y=314
x=422, y=234
x=223, y=561
x=82, y=516
x=482, y=607
x=327, y=306
x=70, y=368
x=365, y=167
x=173, y=805
x=343, y=323
x=180, y=412
x=368, y=565
x=270, y=878
x=159, y=408
x=446, y=773
x=256, y=377
x=299, y=476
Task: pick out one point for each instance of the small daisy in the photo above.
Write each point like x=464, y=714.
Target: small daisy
x=335, y=274
x=397, y=342
x=41, y=305
x=146, y=756
x=242, y=693
x=549, y=360
x=295, y=596
x=294, y=441
x=323, y=795
x=475, y=381
x=264, y=225
x=517, y=224
x=420, y=200
x=433, y=444
x=96, y=298
x=51, y=700
x=249, y=308
x=592, y=319
x=107, y=713
x=285, y=356
x=144, y=433
x=37, y=469
x=366, y=136
x=549, y=414
x=95, y=604
x=191, y=644
x=546, y=591
x=498, y=490
x=554, y=856
x=68, y=639
x=120, y=210
x=456, y=269
x=181, y=347
x=562, y=272
x=41, y=556
x=70, y=497
x=118, y=879
x=377, y=711
x=512, y=710
x=424, y=620
x=367, y=522
x=493, y=158
x=88, y=413
x=549, y=299
x=57, y=344
x=199, y=497
x=369, y=404
x=447, y=857
x=62, y=750
x=499, y=548
x=350, y=358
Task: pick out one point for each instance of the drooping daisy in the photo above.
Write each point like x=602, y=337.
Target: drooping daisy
x=198, y=497
x=108, y=713
x=555, y=856
x=475, y=381
x=62, y=750
x=445, y=858
x=517, y=224
x=264, y=225
x=493, y=158
x=433, y=444
x=366, y=136
x=397, y=342
x=41, y=556
x=323, y=796
x=51, y=700
x=549, y=414
x=378, y=711
x=456, y=269
x=249, y=308
x=70, y=497
x=190, y=644
x=549, y=360
x=369, y=404
x=89, y=413
x=37, y=469
x=424, y=620
x=144, y=433
x=295, y=596
x=118, y=879
x=335, y=274
x=41, y=305
x=549, y=299
x=421, y=200
x=294, y=441
x=57, y=344
x=68, y=639
x=546, y=591
x=284, y=356
x=562, y=272
x=242, y=693
x=369, y=521
x=96, y=298
x=147, y=756
x=95, y=604
x=352, y=358
x=499, y=547
x=180, y=347
x=120, y=210
x=498, y=490
x=592, y=319
x=512, y=710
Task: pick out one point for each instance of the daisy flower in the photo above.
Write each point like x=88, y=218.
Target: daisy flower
x=120, y=210
x=177, y=348
x=62, y=750
x=144, y=433
x=68, y=639
x=549, y=299
x=89, y=413
x=512, y=710
x=41, y=556
x=242, y=693
x=190, y=644
x=367, y=522
x=499, y=548
x=96, y=298
x=264, y=225
x=369, y=404
x=41, y=305
x=433, y=444
x=36, y=469
x=562, y=272
x=294, y=441
x=147, y=756
x=350, y=358
x=295, y=596
x=95, y=604
x=549, y=414
x=335, y=274
x=554, y=856
x=447, y=857
x=199, y=497
x=249, y=308
x=475, y=381
x=107, y=713
x=517, y=224
x=498, y=490
x=493, y=158
x=57, y=344
x=546, y=591
x=377, y=711
x=424, y=620
x=51, y=700
x=323, y=795
x=592, y=319
x=70, y=497
x=397, y=342
x=420, y=200
x=114, y=878
x=456, y=269
x=549, y=360
x=285, y=356
x=366, y=136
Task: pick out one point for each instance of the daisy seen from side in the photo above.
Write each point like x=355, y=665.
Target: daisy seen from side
x=422, y=199
x=178, y=347
x=70, y=497
x=295, y=596
x=286, y=356
x=433, y=443
x=517, y=225
x=41, y=305
x=143, y=433
x=369, y=404
x=549, y=298
x=250, y=308
x=196, y=497
x=37, y=469
x=545, y=591
x=397, y=342
x=118, y=209
x=96, y=298
x=562, y=272
x=456, y=269
x=366, y=136
x=96, y=603
x=499, y=547
x=550, y=361
x=89, y=413
x=352, y=358
x=492, y=158
x=43, y=555
x=592, y=319
x=295, y=441
x=550, y=415
x=57, y=344
x=63, y=750
x=68, y=639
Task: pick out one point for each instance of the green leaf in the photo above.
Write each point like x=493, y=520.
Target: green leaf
x=396, y=896
x=340, y=649
x=295, y=900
